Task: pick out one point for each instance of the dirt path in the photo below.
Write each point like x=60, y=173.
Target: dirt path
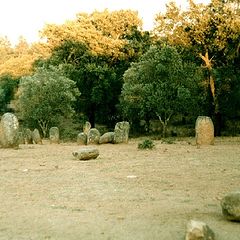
x=124, y=194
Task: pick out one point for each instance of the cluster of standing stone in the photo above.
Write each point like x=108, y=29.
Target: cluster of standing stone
x=92, y=136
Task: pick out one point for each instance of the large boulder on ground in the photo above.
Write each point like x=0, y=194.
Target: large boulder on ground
x=9, y=129
x=231, y=206
x=204, y=131
x=86, y=127
x=121, y=132
x=93, y=136
x=107, y=138
x=199, y=231
x=54, y=135
x=36, y=137
x=86, y=153
x=82, y=139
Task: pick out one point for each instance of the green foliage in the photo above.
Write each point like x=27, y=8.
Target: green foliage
x=146, y=144
x=45, y=97
x=98, y=77
x=8, y=86
x=159, y=85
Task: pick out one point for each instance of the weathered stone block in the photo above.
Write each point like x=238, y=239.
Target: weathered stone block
x=28, y=136
x=54, y=135
x=93, y=136
x=86, y=154
x=199, y=231
x=86, y=127
x=204, y=131
x=82, y=139
x=121, y=132
x=231, y=206
x=9, y=129
x=36, y=137
x=107, y=138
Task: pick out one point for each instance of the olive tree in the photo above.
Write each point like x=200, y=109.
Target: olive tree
x=45, y=97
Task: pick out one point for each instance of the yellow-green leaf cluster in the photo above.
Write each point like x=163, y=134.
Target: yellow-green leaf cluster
x=103, y=31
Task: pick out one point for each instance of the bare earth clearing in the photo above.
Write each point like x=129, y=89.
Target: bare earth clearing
x=125, y=193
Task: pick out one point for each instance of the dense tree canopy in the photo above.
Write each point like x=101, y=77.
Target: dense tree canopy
x=159, y=86
x=8, y=87
x=103, y=32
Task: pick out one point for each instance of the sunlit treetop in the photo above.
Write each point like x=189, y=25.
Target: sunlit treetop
x=103, y=32
x=208, y=26
x=17, y=61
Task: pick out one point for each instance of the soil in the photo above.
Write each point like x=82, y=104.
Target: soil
x=125, y=193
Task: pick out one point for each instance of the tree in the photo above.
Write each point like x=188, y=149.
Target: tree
x=159, y=86
x=212, y=33
x=17, y=61
x=45, y=97
x=103, y=32
x=8, y=87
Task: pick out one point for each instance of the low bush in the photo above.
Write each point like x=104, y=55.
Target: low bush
x=146, y=144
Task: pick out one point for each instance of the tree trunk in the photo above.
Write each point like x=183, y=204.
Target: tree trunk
x=216, y=113
x=44, y=127
x=164, y=124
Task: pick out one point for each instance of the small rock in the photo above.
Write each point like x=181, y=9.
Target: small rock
x=199, y=231
x=86, y=154
x=54, y=135
x=28, y=136
x=93, y=136
x=231, y=206
x=82, y=138
x=36, y=137
x=107, y=138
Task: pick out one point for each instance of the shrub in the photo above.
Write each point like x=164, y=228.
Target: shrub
x=146, y=144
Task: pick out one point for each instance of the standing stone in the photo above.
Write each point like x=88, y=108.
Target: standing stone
x=93, y=136
x=82, y=139
x=231, y=206
x=54, y=135
x=36, y=137
x=9, y=131
x=121, y=132
x=199, y=231
x=28, y=136
x=86, y=127
x=107, y=138
x=21, y=138
x=204, y=131
x=86, y=154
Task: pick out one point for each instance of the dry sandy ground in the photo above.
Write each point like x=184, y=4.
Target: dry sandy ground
x=124, y=194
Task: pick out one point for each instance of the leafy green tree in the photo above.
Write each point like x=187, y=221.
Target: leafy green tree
x=8, y=86
x=45, y=97
x=159, y=86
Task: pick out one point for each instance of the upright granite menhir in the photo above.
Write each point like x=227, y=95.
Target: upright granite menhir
x=204, y=131
x=9, y=128
x=121, y=132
